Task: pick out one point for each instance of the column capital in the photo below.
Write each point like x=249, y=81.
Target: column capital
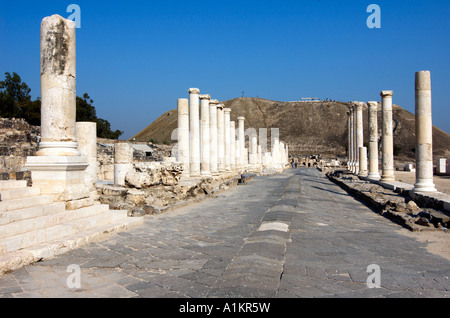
x=220, y=106
x=372, y=104
x=359, y=105
x=241, y=118
x=194, y=91
x=213, y=102
x=227, y=110
x=386, y=93
x=205, y=96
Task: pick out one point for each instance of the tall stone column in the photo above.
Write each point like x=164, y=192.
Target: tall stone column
x=58, y=169
x=373, y=141
x=205, y=137
x=355, y=138
x=221, y=137
x=362, y=162
x=227, y=115
x=275, y=152
x=194, y=128
x=387, y=138
x=424, y=134
x=58, y=87
x=253, y=148
x=123, y=161
x=183, y=134
x=241, y=136
x=351, y=140
x=213, y=136
x=233, y=144
x=359, y=133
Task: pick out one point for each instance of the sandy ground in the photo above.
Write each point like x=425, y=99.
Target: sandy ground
x=442, y=183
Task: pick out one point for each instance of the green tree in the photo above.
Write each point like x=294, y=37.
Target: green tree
x=15, y=99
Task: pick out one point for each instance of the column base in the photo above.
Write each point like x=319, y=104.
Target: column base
x=58, y=148
x=374, y=176
x=61, y=176
x=424, y=187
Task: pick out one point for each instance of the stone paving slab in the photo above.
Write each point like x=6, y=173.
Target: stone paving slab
x=214, y=249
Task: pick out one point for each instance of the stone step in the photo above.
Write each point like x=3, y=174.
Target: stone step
x=12, y=184
x=43, y=222
x=15, y=260
x=25, y=240
x=13, y=194
x=23, y=203
x=30, y=213
x=16, y=204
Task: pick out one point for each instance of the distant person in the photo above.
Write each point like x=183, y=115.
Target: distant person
x=296, y=164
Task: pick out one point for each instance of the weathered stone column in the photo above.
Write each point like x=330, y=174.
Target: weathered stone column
x=241, y=141
x=362, y=162
x=213, y=136
x=221, y=137
x=194, y=128
x=424, y=134
x=205, y=138
x=227, y=113
x=183, y=134
x=275, y=152
x=123, y=161
x=387, y=138
x=355, y=138
x=58, y=169
x=359, y=133
x=351, y=140
x=58, y=87
x=253, y=148
x=86, y=134
x=373, y=141
x=233, y=144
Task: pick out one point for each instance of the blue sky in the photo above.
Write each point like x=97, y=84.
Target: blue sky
x=136, y=58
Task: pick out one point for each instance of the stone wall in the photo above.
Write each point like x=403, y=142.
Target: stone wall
x=18, y=140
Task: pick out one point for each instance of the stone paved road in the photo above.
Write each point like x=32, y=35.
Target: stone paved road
x=290, y=235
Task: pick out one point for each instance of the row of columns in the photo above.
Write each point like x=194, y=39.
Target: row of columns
x=360, y=164
x=210, y=143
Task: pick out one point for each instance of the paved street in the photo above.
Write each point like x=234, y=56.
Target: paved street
x=290, y=235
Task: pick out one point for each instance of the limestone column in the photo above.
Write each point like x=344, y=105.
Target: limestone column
x=387, y=137
x=58, y=87
x=227, y=112
x=424, y=134
x=221, y=137
x=359, y=133
x=233, y=144
x=123, y=161
x=58, y=168
x=194, y=128
x=351, y=140
x=205, y=137
x=355, y=138
x=213, y=136
x=275, y=150
x=86, y=134
x=259, y=158
x=362, y=162
x=183, y=133
x=373, y=141
x=253, y=147
x=241, y=141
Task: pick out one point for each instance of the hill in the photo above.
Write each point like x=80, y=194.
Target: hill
x=309, y=127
